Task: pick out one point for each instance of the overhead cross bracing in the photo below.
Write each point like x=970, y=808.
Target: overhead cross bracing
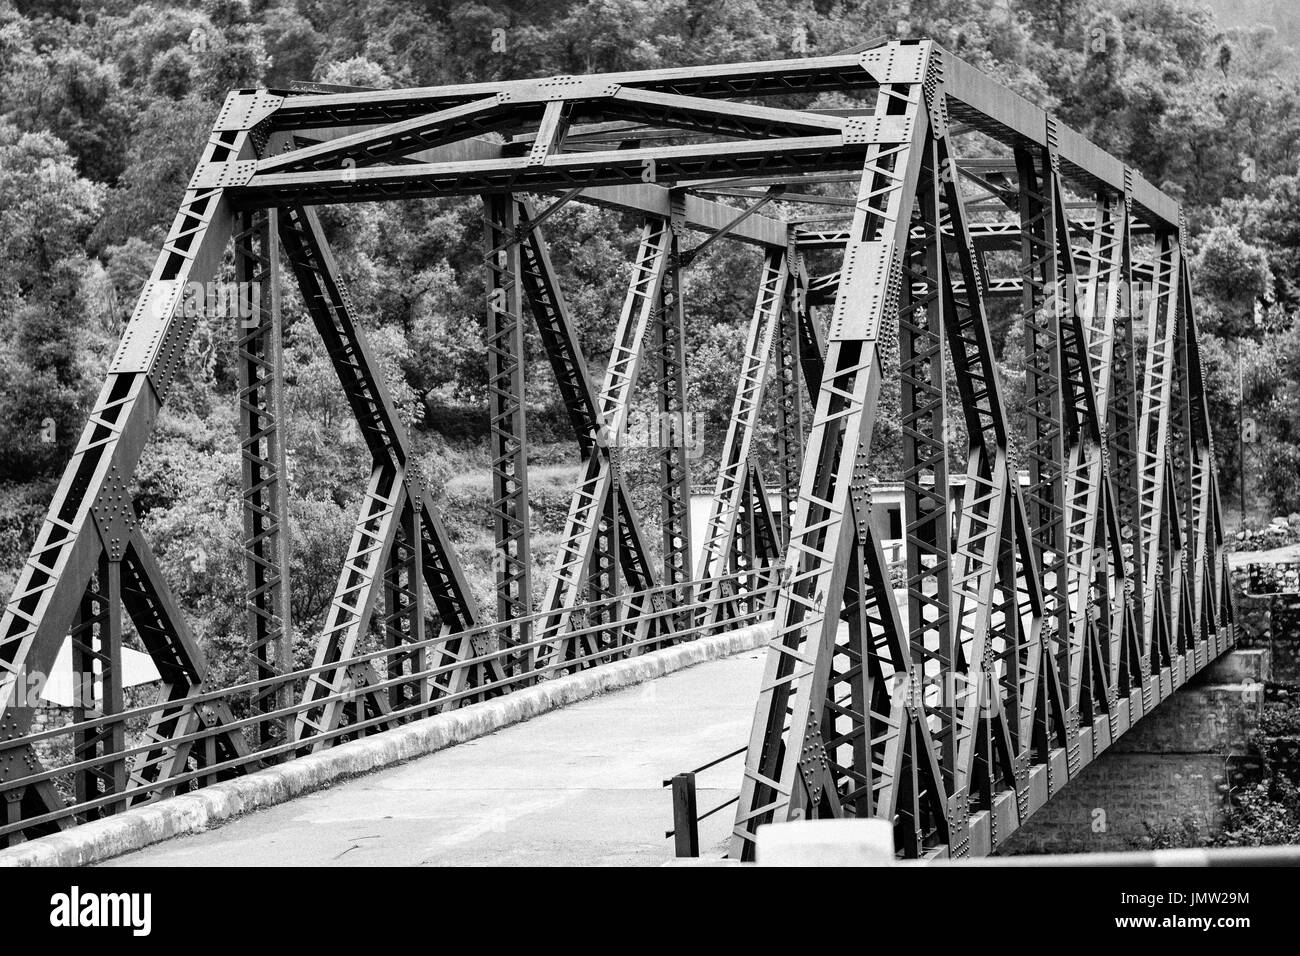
x=951, y=685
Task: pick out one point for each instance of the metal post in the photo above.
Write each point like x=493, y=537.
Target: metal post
x=110, y=697
x=686, y=828
x=927, y=524
x=83, y=638
x=265, y=480
x=505, y=347
x=790, y=402
x=670, y=435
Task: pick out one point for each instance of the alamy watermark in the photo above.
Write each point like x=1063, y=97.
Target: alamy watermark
x=77, y=909
x=1076, y=297
x=657, y=430
x=240, y=301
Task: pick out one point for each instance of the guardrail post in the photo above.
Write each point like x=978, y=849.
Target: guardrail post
x=13, y=803
x=686, y=830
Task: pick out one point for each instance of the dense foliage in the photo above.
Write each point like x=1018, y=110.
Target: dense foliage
x=104, y=106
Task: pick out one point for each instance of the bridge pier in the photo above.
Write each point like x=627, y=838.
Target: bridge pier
x=1174, y=765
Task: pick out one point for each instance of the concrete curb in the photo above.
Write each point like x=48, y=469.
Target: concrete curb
x=194, y=812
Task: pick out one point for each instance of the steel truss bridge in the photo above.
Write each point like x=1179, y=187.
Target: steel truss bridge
x=1029, y=623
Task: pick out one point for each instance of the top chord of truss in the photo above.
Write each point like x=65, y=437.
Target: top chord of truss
x=687, y=126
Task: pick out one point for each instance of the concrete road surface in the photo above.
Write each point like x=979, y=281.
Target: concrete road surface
x=577, y=786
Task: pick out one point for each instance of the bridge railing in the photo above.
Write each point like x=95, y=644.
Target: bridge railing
x=685, y=833
x=229, y=736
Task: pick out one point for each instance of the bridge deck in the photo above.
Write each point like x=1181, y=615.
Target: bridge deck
x=580, y=785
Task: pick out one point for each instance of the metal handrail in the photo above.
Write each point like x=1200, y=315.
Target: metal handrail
x=280, y=747
x=411, y=647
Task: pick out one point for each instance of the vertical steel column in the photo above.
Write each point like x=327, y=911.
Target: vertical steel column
x=927, y=523
x=1105, y=272
x=1153, y=438
x=13, y=806
x=97, y=672
x=789, y=392
x=404, y=613
x=1045, y=449
x=1123, y=426
x=986, y=494
x=1181, y=454
x=110, y=693
x=1081, y=366
x=84, y=641
x=674, y=466
x=787, y=773
x=505, y=346
x=1205, y=520
x=603, y=582
x=261, y=442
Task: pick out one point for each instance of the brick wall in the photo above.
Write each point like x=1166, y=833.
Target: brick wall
x=1118, y=797
x=1175, y=765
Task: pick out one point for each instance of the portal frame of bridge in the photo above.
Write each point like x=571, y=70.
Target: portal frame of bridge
x=1039, y=621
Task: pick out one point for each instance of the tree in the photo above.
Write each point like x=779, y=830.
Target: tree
x=44, y=394
x=160, y=161
x=1232, y=277
x=292, y=45
x=46, y=210
x=1270, y=218
x=76, y=98
x=136, y=42
x=357, y=71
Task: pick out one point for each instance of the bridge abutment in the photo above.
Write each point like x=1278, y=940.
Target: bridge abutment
x=1172, y=769
x=1268, y=620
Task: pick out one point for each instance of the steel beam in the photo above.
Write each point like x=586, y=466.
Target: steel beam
x=669, y=375
x=263, y=473
x=598, y=500
x=786, y=771
x=737, y=464
x=512, y=559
